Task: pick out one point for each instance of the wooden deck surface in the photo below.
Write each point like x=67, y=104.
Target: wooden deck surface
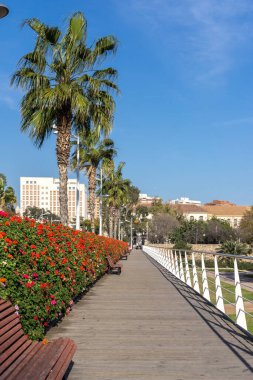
x=145, y=325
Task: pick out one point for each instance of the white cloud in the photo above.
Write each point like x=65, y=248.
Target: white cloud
x=207, y=33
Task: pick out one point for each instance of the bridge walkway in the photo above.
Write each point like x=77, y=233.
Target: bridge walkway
x=146, y=325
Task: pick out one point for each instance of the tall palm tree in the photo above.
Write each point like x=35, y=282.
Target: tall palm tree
x=116, y=189
x=64, y=87
x=92, y=153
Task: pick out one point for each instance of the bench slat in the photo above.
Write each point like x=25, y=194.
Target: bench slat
x=62, y=365
x=27, y=357
x=7, y=320
x=10, y=336
x=5, y=305
x=17, y=360
x=58, y=352
x=8, y=326
x=20, y=358
x=40, y=363
x=7, y=312
x=8, y=353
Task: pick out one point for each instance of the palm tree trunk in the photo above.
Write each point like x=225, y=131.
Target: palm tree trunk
x=115, y=223
x=62, y=153
x=92, y=196
x=111, y=221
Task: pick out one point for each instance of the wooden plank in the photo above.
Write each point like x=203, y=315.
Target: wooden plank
x=5, y=305
x=24, y=361
x=12, y=322
x=10, y=336
x=63, y=362
x=141, y=325
x=11, y=351
x=7, y=312
x=40, y=363
x=7, y=320
x=16, y=360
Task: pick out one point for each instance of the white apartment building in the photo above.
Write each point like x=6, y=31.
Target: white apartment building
x=43, y=192
x=184, y=201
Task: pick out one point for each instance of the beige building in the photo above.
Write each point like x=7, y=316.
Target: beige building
x=146, y=200
x=43, y=192
x=97, y=207
x=221, y=210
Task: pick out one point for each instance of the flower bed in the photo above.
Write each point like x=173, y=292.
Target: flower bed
x=43, y=268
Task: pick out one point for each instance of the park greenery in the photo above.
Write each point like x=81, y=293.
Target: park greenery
x=7, y=195
x=45, y=267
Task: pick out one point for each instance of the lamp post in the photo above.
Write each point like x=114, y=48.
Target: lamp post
x=3, y=10
x=77, y=181
x=131, y=230
x=101, y=204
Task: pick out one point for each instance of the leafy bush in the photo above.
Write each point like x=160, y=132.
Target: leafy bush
x=43, y=268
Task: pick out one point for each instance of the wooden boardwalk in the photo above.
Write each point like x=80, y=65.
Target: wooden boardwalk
x=145, y=325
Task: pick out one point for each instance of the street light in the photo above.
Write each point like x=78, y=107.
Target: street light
x=131, y=232
x=77, y=137
x=3, y=10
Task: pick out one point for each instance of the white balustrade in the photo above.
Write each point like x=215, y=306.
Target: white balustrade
x=178, y=264
x=239, y=306
x=206, y=293
x=195, y=274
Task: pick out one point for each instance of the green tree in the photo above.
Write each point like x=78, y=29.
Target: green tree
x=7, y=195
x=92, y=153
x=246, y=227
x=64, y=88
x=116, y=190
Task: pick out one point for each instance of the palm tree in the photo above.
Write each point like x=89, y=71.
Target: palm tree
x=116, y=189
x=64, y=88
x=92, y=153
x=7, y=195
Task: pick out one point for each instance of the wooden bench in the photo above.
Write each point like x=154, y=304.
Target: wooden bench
x=113, y=268
x=21, y=358
x=124, y=256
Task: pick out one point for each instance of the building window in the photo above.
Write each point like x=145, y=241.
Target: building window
x=235, y=222
x=201, y=218
x=191, y=218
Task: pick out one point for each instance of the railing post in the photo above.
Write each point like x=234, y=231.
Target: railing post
x=169, y=260
x=168, y=265
x=187, y=271
x=173, y=269
x=239, y=305
x=181, y=268
x=218, y=291
x=195, y=275
x=176, y=262
x=206, y=292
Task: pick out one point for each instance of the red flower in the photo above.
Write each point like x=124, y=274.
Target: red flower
x=30, y=284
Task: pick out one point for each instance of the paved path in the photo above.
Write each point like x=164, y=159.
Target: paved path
x=145, y=325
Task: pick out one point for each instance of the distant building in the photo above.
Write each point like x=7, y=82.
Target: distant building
x=233, y=214
x=43, y=192
x=222, y=210
x=146, y=200
x=191, y=211
x=218, y=203
x=184, y=201
x=97, y=208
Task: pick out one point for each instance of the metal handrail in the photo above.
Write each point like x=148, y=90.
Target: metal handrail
x=176, y=261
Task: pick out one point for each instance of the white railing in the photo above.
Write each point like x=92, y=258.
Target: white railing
x=209, y=282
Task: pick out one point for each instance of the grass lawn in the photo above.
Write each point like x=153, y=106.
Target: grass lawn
x=249, y=320
x=228, y=290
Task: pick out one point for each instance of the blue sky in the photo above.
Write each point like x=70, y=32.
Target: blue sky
x=184, y=117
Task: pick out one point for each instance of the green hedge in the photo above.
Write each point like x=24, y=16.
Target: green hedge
x=43, y=268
